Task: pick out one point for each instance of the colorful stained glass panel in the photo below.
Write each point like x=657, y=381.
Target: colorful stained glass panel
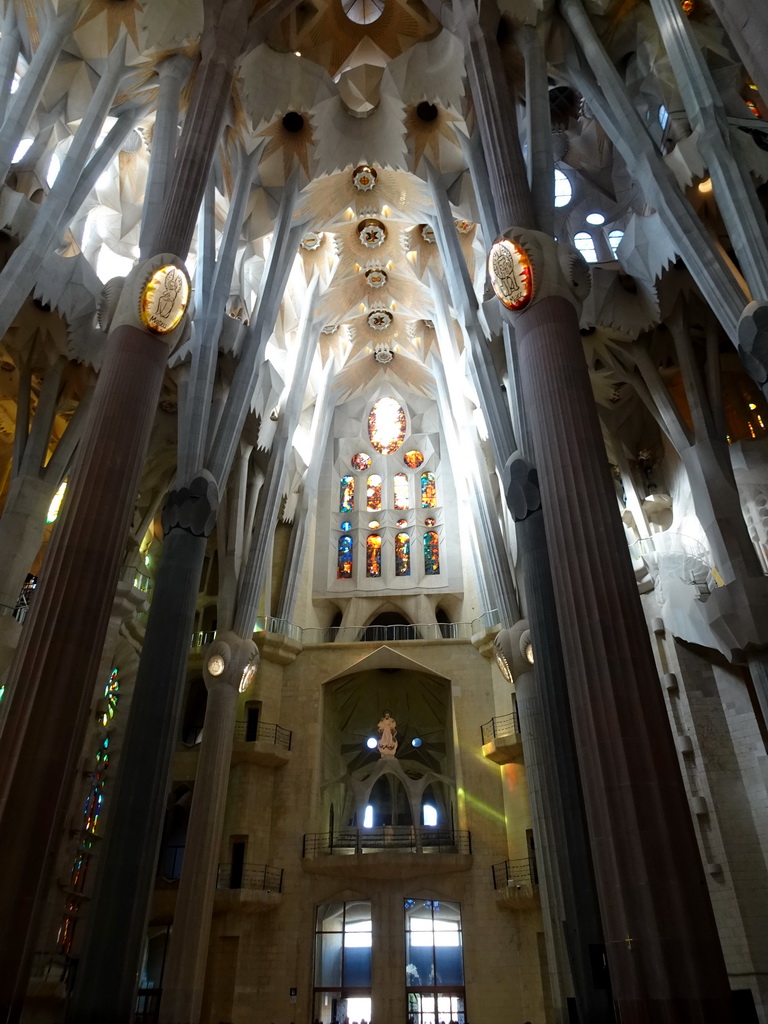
x=345, y=556
x=347, y=494
x=373, y=493
x=386, y=426
x=402, y=555
x=431, y=553
x=413, y=459
x=373, y=556
x=402, y=492
x=361, y=462
x=428, y=490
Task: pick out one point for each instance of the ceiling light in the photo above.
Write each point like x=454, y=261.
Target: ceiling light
x=705, y=186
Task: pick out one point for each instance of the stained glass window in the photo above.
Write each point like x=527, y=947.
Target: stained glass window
x=95, y=797
x=373, y=555
x=373, y=493
x=413, y=459
x=429, y=521
x=431, y=554
x=401, y=523
x=428, y=490
x=344, y=562
x=386, y=426
x=111, y=695
x=347, y=494
x=402, y=492
x=361, y=461
x=346, y=526
x=402, y=555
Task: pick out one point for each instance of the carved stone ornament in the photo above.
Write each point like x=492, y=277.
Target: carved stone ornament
x=164, y=298
x=511, y=274
x=364, y=178
x=464, y=226
x=383, y=353
x=376, y=277
x=526, y=266
x=371, y=233
x=379, y=319
x=330, y=328
x=312, y=240
x=428, y=234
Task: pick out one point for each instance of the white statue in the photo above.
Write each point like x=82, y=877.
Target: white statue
x=387, y=735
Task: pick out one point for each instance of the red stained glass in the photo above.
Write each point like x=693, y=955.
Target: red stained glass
x=373, y=556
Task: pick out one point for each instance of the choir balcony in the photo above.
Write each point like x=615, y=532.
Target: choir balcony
x=387, y=851
x=502, y=742
x=517, y=884
x=262, y=743
x=253, y=888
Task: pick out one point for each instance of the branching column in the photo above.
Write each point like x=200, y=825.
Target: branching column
x=664, y=954
x=53, y=676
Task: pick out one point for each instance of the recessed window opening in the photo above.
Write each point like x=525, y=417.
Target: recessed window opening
x=614, y=240
x=429, y=813
x=563, y=189
x=586, y=246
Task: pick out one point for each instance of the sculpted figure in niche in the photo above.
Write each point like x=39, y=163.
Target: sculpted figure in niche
x=387, y=735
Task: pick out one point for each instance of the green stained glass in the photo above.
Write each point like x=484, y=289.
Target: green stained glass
x=428, y=490
x=431, y=553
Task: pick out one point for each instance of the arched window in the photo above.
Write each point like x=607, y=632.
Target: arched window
x=402, y=492
x=386, y=426
x=402, y=555
x=373, y=493
x=563, y=189
x=614, y=239
x=373, y=556
x=346, y=554
x=586, y=246
x=347, y=494
x=431, y=553
x=428, y=490
x=111, y=695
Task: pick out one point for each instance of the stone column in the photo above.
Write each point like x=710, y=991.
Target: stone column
x=663, y=949
x=56, y=664
x=746, y=23
x=225, y=664
x=52, y=678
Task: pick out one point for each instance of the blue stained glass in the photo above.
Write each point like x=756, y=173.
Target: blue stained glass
x=431, y=554
x=346, y=526
x=345, y=556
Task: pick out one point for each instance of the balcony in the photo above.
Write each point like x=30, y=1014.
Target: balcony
x=266, y=744
x=502, y=742
x=391, y=850
x=517, y=884
x=253, y=888
x=51, y=978
x=297, y=637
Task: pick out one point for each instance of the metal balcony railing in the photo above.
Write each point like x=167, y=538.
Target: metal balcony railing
x=265, y=732
x=409, y=838
x=515, y=874
x=505, y=725
x=362, y=634
x=258, y=877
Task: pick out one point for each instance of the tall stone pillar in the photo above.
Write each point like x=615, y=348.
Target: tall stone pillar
x=663, y=950
x=53, y=676
x=228, y=668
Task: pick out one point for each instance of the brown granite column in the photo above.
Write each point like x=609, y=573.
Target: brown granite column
x=664, y=954
x=52, y=679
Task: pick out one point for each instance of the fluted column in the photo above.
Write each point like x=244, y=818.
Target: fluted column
x=188, y=951
x=663, y=949
x=51, y=681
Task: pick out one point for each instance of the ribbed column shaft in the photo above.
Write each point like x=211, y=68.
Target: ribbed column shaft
x=107, y=975
x=663, y=949
x=51, y=681
x=188, y=951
